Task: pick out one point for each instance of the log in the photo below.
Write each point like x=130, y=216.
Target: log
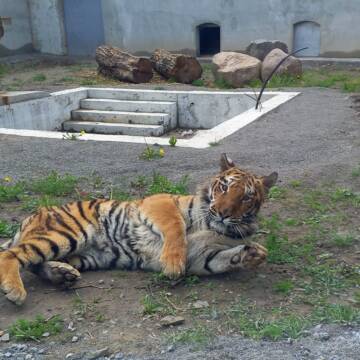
x=116, y=63
x=183, y=68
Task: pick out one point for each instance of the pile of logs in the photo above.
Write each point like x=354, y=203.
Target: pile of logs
x=116, y=63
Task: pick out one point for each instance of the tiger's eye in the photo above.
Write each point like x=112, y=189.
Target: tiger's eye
x=246, y=198
x=223, y=187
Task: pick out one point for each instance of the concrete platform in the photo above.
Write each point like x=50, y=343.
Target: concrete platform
x=12, y=97
x=114, y=128
x=124, y=117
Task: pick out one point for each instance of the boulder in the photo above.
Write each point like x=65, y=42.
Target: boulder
x=260, y=48
x=235, y=68
x=292, y=66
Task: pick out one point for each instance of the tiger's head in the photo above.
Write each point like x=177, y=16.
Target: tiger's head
x=233, y=199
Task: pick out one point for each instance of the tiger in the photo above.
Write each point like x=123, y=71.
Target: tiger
x=197, y=234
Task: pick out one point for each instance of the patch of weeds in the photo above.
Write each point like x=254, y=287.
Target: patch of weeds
x=279, y=249
x=291, y=222
x=337, y=313
x=4, y=69
x=191, y=280
x=222, y=84
x=283, y=287
x=352, y=85
x=347, y=196
x=295, y=183
x=159, y=278
x=161, y=184
x=277, y=192
x=24, y=330
x=199, y=335
x=120, y=195
x=67, y=79
x=152, y=152
x=198, y=82
x=11, y=192
x=55, y=185
x=172, y=141
x=315, y=200
x=150, y=305
x=172, y=80
x=73, y=136
x=99, y=317
x=343, y=240
x=39, y=77
x=7, y=229
x=355, y=173
x=32, y=204
x=88, y=82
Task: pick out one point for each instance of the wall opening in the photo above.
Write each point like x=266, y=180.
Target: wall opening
x=307, y=34
x=208, y=39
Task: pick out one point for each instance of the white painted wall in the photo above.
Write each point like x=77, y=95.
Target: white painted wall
x=48, y=26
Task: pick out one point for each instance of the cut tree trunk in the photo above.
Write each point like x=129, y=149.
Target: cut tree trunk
x=183, y=68
x=116, y=63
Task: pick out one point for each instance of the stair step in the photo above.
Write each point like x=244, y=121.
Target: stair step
x=124, y=117
x=129, y=105
x=114, y=128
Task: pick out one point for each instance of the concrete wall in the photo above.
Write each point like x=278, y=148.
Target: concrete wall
x=47, y=20
x=17, y=36
x=143, y=25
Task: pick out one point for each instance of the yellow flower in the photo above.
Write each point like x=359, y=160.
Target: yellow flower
x=7, y=179
x=82, y=132
x=161, y=152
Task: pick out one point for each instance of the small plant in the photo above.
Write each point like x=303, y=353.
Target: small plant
x=119, y=194
x=34, y=329
x=8, y=230
x=191, y=280
x=88, y=82
x=39, y=77
x=295, y=183
x=284, y=287
x=67, y=79
x=337, y=313
x=55, y=185
x=198, y=82
x=197, y=335
x=73, y=136
x=222, y=84
x=343, y=240
x=150, y=305
x=172, y=141
x=277, y=192
x=32, y=204
x=11, y=192
x=214, y=143
x=151, y=153
x=161, y=184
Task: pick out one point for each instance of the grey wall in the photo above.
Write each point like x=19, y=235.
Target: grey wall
x=143, y=25
x=17, y=36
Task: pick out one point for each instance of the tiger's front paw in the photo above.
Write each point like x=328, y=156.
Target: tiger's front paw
x=253, y=255
x=173, y=262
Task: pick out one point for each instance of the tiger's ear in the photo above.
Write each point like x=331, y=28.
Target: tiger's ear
x=225, y=162
x=269, y=181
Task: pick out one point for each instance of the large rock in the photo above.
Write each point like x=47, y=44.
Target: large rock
x=291, y=66
x=260, y=48
x=235, y=68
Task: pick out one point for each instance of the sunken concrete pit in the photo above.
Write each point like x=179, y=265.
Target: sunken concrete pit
x=133, y=115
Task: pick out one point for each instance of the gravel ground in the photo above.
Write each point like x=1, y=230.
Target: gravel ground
x=314, y=137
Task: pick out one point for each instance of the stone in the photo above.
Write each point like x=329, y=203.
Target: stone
x=235, y=68
x=322, y=335
x=200, y=304
x=46, y=334
x=75, y=339
x=172, y=320
x=98, y=353
x=292, y=66
x=5, y=337
x=260, y=48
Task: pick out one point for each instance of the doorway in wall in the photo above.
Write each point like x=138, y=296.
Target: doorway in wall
x=307, y=34
x=208, y=39
x=84, y=26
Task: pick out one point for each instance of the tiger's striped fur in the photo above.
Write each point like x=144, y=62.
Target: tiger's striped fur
x=174, y=234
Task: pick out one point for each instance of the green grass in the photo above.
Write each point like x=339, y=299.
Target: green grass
x=343, y=240
x=283, y=287
x=120, y=194
x=88, y=82
x=295, y=183
x=222, y=84
x=11, y=192
x=199, y=335
x=32, y=204
x=55, y=185
x=198, y=82
x=150, y=305
x=4, y=69
x=277, y=192
x=161, y=184
x=39, y=77
x=24, y=330
x=7, y=229
x=152, y=153
x=355, y=173
x=337, y=313
x=68, y=79
x=346, y=196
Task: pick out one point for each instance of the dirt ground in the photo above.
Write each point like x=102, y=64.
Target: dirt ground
x=311, y=220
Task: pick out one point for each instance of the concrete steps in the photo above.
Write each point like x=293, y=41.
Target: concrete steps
x=123, y=112
x=114, y=128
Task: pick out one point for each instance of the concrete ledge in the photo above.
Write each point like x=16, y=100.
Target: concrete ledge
x=12, y=97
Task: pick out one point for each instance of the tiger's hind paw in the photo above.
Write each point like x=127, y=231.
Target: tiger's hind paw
x=60, y=273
